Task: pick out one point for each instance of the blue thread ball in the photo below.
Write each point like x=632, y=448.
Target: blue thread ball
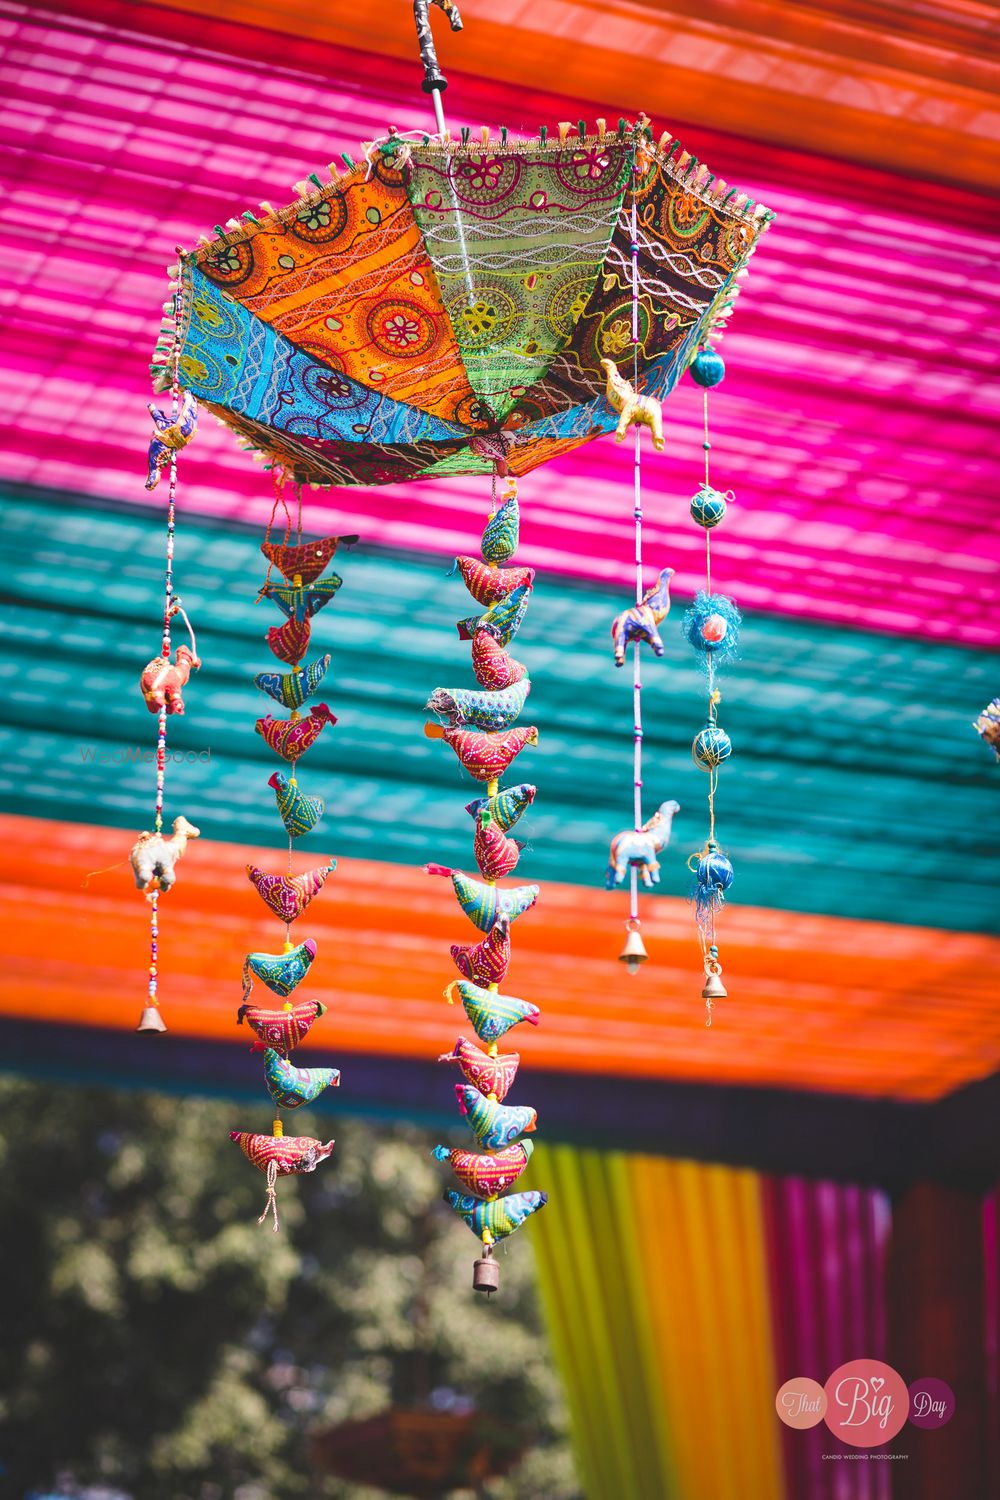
x=710, y=747
x=707, y=368
x=715, y=870
x=708, y=507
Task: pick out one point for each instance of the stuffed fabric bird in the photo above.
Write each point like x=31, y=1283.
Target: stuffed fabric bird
x=485, y=963
x=492, y=1014
x=485, y=756
x=494, y=1125
x=486, y=1176
x=502, y=619
x=494, y=669
x=293, y=688
x=306, y=561
x=481, y=710
x=499, y=1217
x=289, y=1087
x=289, y=895
x=490, y=1075
x=301, y=603
x=291, y=738
x=280, y=1030
x=299, y=813
x=506, y=807
x=290, y=1153
x=481, y=903
x=496, y=854
x=486, y=584
x=281, y=972
x=500, y=538
x=289, y=642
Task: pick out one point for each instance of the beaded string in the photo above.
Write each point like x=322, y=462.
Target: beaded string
x=633, y=921
x=709, y=950
x=170, y=606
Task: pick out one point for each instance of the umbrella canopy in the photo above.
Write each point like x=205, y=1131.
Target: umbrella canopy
x=445, y=306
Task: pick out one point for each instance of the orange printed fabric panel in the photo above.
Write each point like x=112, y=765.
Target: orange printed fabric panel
x=345, y=277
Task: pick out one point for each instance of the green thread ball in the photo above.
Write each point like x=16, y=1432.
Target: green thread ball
x=710, y=747
x=708, y=507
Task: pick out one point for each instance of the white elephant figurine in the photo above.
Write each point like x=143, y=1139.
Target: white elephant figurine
x=154, y=855
x=640, y=847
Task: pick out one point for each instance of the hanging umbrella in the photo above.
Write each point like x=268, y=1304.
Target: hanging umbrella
x=442, y=307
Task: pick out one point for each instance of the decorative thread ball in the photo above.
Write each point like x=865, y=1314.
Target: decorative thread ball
x=707, y=368
x=715, y=869
x=714, y=629
x=708, y=507
x=710, y=747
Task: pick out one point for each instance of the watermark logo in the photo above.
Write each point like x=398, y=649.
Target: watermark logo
x=801, y=1402
x=867, y=1403
x=932, y=1402
x=142, y=755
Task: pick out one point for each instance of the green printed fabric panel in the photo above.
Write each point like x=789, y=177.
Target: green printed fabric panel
x=496, y=227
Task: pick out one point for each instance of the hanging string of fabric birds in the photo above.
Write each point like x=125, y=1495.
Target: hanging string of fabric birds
x=711, y=627
x=300, y=598
x=154, y=855
x=478, y=724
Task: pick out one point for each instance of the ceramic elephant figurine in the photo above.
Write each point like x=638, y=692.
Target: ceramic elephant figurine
x=169, y=436
x=162, y=680
x=640, y=622
x=640, y=847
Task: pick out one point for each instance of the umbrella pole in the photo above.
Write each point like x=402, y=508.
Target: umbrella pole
x=435, y=83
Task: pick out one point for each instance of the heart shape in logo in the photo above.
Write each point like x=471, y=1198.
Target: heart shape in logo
x=877, y=1382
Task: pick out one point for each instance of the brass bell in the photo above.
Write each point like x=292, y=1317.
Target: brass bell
x=714, y=987
x=151, y=1020
x=486, y=1273
x=634, y=952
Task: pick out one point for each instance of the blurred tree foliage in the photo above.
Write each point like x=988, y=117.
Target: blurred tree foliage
x=157, y=1340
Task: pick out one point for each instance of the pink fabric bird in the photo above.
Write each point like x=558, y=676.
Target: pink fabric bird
x=485, y=963
x=485, y=755
x=291, y=738
x=493, y=667
x=486, y=584
x=490, y=1075
x=496, y=854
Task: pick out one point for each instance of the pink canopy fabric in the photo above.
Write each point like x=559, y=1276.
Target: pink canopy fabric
x=857, y=424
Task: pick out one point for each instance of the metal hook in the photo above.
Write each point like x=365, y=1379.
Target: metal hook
x=434, y=79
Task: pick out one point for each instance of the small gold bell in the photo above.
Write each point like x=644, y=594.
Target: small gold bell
x=714, y=987
x=634, y=952
x=151, y=1020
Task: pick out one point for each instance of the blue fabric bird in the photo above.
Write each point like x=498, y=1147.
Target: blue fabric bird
x=299, y=813
x=289, y=1086
x=293, y=688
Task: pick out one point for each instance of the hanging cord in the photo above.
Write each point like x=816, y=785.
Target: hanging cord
x=706, y=934
x=271, y=1202
x=637, y=512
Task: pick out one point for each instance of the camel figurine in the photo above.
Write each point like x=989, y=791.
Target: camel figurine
x=640, y=622
x=154, y=855
x=162, y=680
x=633, y=409
x=169, y=436
x=641, y=846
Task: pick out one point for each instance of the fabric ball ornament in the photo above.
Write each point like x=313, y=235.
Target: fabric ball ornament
x=492, y=1014
x=307, y=561
x=481, y=710
x=486, y=584
x=287, y=896
x=281, y=972
x=494, y=669
x=484, y=754
x=481, y=903
x=707, y=368
x=291, y=1087
x=299, y=813
x=487, y=1176
x=490, y=1075
x=500, y=537
x=711, y=626
x=494, y=1125
x=496, y=1218
x=715, y=871
x=283, y=1029
x=289, y=642
x=291, y=738
x=708, y=507
x=502, y=620
x=710, y=747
